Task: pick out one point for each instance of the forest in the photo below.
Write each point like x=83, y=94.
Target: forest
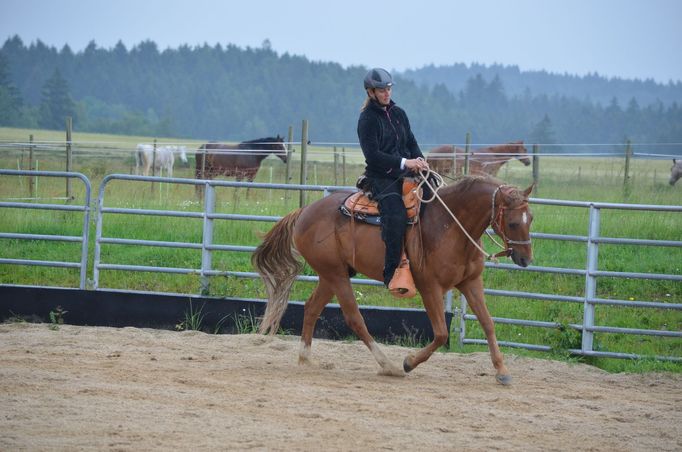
x=224, y=92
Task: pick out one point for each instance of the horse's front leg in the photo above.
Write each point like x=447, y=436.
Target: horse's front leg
x=351, y=314
x=433, y=303
x=473, y=292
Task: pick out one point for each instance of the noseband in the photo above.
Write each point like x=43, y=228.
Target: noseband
x=497, y=222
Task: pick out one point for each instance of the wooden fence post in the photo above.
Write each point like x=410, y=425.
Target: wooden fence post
x=454, y=161
x=536, y=167
x=304, y=157
x=31, y=179
x=467, y=149
x=154, y=165
x=626, y=176
x=69, y=156
x=336, y=166
x=343, y=164
x=290, y=153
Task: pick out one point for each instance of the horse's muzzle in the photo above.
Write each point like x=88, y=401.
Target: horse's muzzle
x=521, y=261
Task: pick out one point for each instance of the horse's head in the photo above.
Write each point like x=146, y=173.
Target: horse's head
x=520, y=149
x=277, y=146
x=511, y=220
x=182, y=150
x=675, y=171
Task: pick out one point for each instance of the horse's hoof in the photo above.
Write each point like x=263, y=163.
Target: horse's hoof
x=391, y=371
x=406, y=366
x=504, y=380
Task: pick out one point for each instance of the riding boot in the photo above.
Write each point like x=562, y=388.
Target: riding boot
x=402, y=284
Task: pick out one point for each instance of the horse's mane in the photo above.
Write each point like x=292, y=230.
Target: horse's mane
x=464, y=184
x=261, y=141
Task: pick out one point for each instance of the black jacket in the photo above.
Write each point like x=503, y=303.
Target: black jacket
x=385, y=138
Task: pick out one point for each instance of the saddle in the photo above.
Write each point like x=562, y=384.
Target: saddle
x=363, y=208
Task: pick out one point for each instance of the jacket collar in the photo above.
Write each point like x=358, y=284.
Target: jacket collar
x=375, y=105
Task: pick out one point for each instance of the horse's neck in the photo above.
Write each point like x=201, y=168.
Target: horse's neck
x=472, y=208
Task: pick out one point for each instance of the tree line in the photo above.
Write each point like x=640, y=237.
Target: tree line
x=231, y=93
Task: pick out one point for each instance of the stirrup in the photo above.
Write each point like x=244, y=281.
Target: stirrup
x=402, y=284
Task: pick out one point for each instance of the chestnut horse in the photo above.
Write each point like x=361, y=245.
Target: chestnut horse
x=481, y=161
x=241, y=161
x=441, y=254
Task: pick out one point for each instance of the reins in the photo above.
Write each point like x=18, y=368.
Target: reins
x=494, y=215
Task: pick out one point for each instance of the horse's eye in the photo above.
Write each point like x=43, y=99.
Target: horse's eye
x=513, y=225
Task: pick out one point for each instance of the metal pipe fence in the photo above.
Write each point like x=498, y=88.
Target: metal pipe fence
x=83, y=239
x=591, y=273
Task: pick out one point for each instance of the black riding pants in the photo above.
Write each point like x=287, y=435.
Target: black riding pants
x=388, y=193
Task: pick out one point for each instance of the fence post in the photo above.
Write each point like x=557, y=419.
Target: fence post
x=154, y=165
x=626, y=177
x=290, y=153
x=343, y=164
x=336, y=166
x=454, y=161
x=207, y=237
x=304, y=157
x=31, y=179
x=69, y=157
x=467, y=148
x=536, y=167
x=590, y=279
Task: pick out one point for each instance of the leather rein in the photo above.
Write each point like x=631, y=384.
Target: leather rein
x=496, y=216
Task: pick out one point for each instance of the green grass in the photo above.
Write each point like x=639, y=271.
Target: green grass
x=583, y=179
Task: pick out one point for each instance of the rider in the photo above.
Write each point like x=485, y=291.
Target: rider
x=391, y=153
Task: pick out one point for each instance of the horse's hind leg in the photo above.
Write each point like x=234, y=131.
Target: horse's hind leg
x=353, y=318
x=311, y=312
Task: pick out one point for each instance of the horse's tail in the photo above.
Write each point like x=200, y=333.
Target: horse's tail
x=277, y=262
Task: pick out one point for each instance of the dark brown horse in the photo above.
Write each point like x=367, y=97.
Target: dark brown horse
x=482, y=161
x=240, y=161
x=441, y=257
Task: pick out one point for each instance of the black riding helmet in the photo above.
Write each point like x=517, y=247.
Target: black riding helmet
x=378, y=78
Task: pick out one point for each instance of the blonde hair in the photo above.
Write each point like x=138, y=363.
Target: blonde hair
x=365, y=103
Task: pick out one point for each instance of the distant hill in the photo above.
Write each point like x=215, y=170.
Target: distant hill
x=517, y=83
x=227, y=92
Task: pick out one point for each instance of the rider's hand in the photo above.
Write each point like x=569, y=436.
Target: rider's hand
x=416, y=165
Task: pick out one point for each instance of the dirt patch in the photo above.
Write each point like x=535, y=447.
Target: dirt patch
x=141, y=389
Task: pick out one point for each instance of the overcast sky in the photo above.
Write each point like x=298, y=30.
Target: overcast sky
x=615, y=38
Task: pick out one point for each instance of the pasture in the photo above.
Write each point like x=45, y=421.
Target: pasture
x=570, y=178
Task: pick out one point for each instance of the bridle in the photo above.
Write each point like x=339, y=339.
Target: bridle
x=496, y=215
x=497, y=222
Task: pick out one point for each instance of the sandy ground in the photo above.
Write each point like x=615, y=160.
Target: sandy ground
x=93, y=388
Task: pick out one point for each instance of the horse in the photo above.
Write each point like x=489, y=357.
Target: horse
x=482, y=161
x=443, y=247
x=239, y=160
x=675, y=171
x=163, y=160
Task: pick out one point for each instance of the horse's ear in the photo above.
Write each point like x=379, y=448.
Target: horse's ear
x=528, y=190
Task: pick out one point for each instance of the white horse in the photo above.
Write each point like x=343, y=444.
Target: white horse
x=163, y=160
x=675, y=171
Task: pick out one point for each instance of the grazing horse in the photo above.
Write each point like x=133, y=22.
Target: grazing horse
x=162, y=159
x=675, y=171
x=441, y=254
x=481, y=161
x=239, y=160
